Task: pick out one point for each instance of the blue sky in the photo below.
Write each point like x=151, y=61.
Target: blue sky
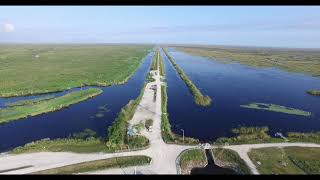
x=291, y=26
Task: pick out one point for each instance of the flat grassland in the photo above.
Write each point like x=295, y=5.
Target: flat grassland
x=35, y=69
x=288, y=160
x=293, y=60
x=32, y=109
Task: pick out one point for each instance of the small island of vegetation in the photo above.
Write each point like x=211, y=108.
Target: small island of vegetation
x=276, y=108
x=314, y=92
x=33, y=108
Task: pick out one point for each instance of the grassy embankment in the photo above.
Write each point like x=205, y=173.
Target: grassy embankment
x=230, y=159
x=192, y=158
x=292, y=60
x=256, y=135
x=161, y=65
x=167, y=135
x=83, y=142
x=276, y=108
x=287, y=160
x=39, y=107
x=154, y=65
x=199, y=98
x=62, y=67
x=249, y=135
x=314, y=92
x=116, y=162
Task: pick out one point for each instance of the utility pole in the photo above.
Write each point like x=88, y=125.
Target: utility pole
x=182, y=136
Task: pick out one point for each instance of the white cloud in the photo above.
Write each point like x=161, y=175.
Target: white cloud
x=8, y=27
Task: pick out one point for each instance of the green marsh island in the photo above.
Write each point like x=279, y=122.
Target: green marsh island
x=276, y=108
x=314, y=92
x=44, y=106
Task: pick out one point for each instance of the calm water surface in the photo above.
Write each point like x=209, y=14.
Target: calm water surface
x=77, y=117
x=230, y=85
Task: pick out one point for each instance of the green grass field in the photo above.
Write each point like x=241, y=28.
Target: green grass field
x=288, y=160
x=292, y=60
x=39, y=107
x=116, y=162
x=35, y=69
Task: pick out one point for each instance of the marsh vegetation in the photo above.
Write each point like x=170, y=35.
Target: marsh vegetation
x=61, y=67
x=292, y=60
x=276, y=108
x=33, y=108
x=314, y=92
x=248, y=135
x=199, y=98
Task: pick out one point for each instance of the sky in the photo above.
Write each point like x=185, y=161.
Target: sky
x=270, y=26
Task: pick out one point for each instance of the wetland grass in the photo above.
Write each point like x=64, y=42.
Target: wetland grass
x=61, y=67
x=199, y=98
x=314, y=92
x=292, y=60
x=249, y=135
x=276, y=108
x=18, y=112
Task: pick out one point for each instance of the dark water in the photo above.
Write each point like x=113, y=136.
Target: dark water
x=230, y=85
x=77, y=117
x=211, y=168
